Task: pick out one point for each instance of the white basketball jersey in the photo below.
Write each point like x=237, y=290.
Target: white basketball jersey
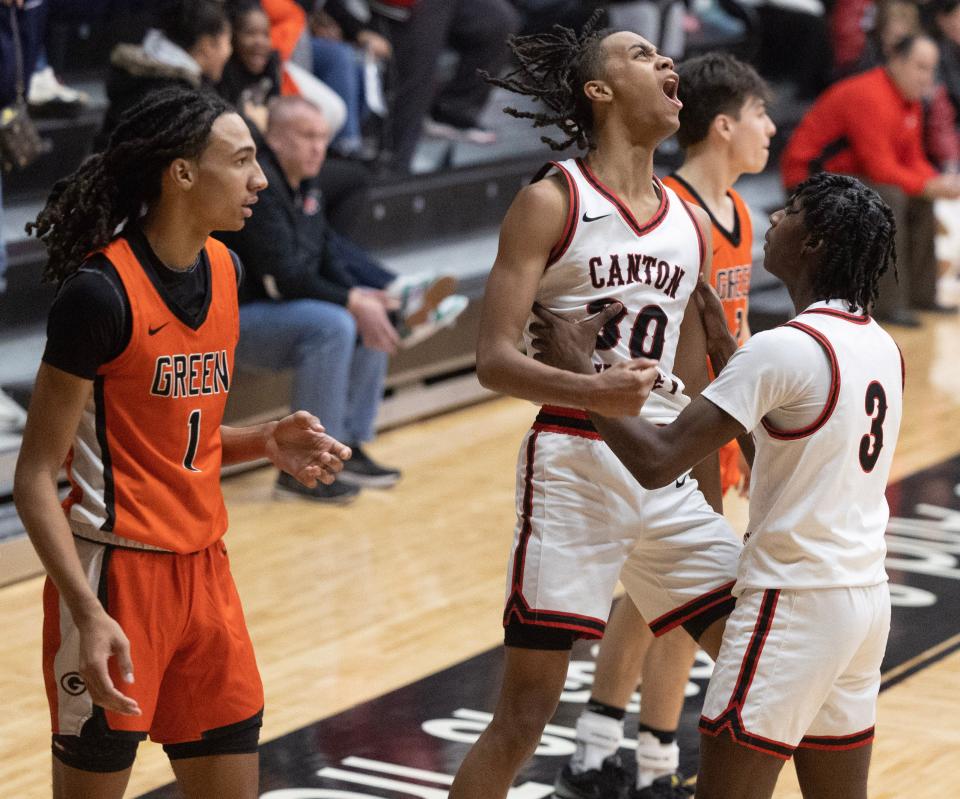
x=818, y=509
x=606, y=255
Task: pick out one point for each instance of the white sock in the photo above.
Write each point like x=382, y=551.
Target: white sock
x=598, y=737
x=655, y=759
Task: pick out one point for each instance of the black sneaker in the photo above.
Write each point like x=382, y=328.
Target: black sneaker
x=337, y=493
x=610, y=782
x=669, y=787
x=362, y=470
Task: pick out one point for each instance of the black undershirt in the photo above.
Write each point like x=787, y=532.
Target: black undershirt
x=90, y=321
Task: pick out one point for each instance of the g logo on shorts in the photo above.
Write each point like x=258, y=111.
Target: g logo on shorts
x=73, y=683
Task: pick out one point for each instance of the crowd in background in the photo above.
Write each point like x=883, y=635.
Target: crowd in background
x=363, y=82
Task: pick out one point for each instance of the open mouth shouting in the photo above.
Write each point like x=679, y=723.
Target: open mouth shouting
x=670, y=86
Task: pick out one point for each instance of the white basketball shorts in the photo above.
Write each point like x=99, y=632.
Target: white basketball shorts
x=583, y=522
x=800, y=668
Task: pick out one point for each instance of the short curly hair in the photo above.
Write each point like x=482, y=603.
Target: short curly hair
x=857, y=229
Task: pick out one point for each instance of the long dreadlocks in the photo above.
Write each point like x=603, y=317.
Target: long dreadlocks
x=112, y=187
x=553, y=69
x=857, y=229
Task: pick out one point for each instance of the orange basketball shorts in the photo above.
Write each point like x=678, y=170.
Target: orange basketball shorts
x=730, y=475
x=193, y=661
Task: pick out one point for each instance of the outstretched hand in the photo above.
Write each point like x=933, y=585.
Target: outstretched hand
x=621, y=389
x=300, y=446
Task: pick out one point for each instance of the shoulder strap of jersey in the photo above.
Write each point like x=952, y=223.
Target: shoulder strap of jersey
x=118, y=252
x=701, y=242
x=832, y=397
x=573, y=208
x=219, y=256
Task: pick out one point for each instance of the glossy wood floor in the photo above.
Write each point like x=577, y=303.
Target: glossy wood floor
x=346, y=604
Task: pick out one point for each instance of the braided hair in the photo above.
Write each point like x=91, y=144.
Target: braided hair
x=84, y=210
x=857, y=230
x=553, y=69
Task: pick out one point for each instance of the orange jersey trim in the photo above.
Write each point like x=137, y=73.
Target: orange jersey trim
x=732, y=255
x=732, y=267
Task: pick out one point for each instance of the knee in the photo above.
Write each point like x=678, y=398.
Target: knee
x=519, y=721
x=331, y=325
x=329, y=53
x=100, y=755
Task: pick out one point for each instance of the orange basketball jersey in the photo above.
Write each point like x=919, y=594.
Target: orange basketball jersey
x=732, y=262
x=732, y=255
x=145, y=464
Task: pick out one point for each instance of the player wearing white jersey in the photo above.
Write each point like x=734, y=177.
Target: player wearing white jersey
x=725, y=132
x=580, y=514
x=651, y=268
x=799, y=668
x=597, y=237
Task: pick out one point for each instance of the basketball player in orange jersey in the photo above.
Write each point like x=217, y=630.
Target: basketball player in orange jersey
x=588, y=235
x=798, y=672
x=725, y=132
x=143, y=629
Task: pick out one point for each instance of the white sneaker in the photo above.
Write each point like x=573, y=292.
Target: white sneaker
x=46, y=90
x=419, y=294
x=441, y=317
x=12, y=416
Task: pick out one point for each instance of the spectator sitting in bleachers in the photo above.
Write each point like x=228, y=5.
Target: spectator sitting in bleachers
x=342, y=46
x=257, y=71
x=333, y=63
x=896, y=20
x=46, y=95
x=870, y=126
x=190, y=48
x=419, y=31
x=309, y=294
x=253, y=74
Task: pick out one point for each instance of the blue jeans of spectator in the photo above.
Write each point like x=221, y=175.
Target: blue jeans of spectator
x=32, y=23
x=337, y=65
x=335, y=376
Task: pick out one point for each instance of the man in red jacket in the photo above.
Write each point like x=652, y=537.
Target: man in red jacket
x=871, y=126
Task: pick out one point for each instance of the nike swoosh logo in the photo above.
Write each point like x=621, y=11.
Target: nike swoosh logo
x=593, y=218
x=152, y=331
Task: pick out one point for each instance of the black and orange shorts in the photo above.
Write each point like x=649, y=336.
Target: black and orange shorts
x=194, y=668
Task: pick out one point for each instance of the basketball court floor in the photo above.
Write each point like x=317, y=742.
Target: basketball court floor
x=377, y=626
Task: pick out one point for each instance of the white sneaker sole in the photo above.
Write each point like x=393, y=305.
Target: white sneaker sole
x=433, y=295
x=368, y=481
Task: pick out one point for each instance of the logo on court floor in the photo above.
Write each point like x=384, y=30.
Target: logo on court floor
x=73, y=683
